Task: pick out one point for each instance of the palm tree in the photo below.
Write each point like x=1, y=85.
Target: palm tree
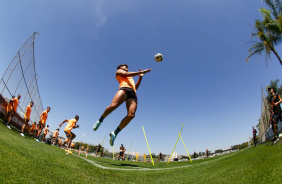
x=275, y=7
x=269, y=33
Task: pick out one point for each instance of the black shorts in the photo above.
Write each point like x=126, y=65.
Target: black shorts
x=26, y=121
x=276, y=117
x=129, y=92
x=41, y=126
x=98, y=150
x=70, y=135
x=121, y=153
x=11, y=113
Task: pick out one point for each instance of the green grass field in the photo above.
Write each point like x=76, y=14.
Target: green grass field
x=23, y=160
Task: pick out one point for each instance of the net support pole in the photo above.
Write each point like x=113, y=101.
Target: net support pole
x=148, y=145
x=185, y=148
x=129, y=151
x=175, y=143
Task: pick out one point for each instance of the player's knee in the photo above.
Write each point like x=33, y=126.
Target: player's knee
x=131, y=115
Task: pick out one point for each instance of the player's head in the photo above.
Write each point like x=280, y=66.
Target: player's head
x=123, y=67
x=34, y=123
x=13, y=96
x=58, y=129
x=253, y=127
x=77, y=117
x=19, y=96
x=47, y=126
x=31, y=103
x=48, y=109
x=271, y=89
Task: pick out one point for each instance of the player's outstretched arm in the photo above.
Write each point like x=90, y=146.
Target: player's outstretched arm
x=131, y=74
x=63, y=122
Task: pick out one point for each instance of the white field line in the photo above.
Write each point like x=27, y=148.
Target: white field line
x=147, y=169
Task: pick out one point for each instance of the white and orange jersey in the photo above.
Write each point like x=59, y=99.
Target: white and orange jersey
x=126, y=82
x=27, y=112
x=70, y=125
x=15, y=104
x=44, y=116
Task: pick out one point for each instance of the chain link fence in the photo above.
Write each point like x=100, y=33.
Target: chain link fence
x=20, y=78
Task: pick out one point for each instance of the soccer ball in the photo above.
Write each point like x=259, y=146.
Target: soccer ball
x=158, y=57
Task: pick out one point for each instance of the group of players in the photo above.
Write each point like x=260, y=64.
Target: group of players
x=35, y=130
x=126, y=93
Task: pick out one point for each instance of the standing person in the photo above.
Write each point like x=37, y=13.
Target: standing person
x=32, y=129
x=207, y=152
x=161, y=157
x=121, y=152
x=87, y=150
x=255, y=136
x=14, y=105
x=98, y=150
x=77, y=147
x=42, y=121
x=126, y=92
x=45, y=133
x=71, y=125
x=55, y=136
x=275, y=101
x=26, y=117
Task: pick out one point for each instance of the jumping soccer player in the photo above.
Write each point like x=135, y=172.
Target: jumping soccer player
x=26, y=117
x=71, y=124
x=12, y=109
x=42, y=121
x=126, y=92
x=275, y=101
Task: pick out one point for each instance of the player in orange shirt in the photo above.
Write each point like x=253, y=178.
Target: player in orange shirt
x=126, y=92
x=87, y=150
x=32, y=129
x=45, y=132
x=71, y=124
x=26, y=117
x=42, y=121
x=55, y=136
x=12, y=109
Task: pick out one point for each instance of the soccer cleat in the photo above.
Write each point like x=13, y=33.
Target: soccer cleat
x=112, y=138
x=37, y=140
x=96, y=125
x=22, y=134
x=8, y=127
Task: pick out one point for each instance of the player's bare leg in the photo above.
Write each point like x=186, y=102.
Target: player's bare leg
x=131, y=105
x=118, y=99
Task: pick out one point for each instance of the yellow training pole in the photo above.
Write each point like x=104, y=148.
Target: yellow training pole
x=148, y=145
x=185, y=148
x=113, y=152
x=129, y=151
x=175, y=143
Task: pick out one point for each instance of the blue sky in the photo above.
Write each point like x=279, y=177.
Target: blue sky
x=203, y=81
